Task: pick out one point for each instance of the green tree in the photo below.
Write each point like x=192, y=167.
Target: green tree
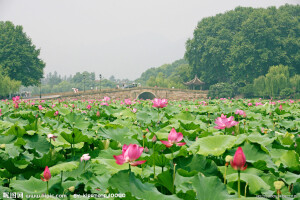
x=259, y=86
x=275, y=80
x=18, y=56
x=295, y=83
x=7, y=85
x=241, y=45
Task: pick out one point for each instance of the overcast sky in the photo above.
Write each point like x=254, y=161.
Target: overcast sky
x=114, y=37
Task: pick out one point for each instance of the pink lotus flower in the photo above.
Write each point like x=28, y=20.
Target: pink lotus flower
x=159, y=103
x=104, y=104
x=224, y=122
x=56, y=113
x=47, y=174
x=258, y=104
x=174, y=138
x=127, y=101
x=40, y=107
x=98, y=114
x=16, y=98
x=239, y=160
x=51, y=136
x=106, y=99
x=280, y=107
x=249, y=104
x=89, y=106
x=291, y=101
x=16, y=105
x=240, y=112
x=130, y=154
x=134, y=110
x=85, y=157
x=53, y=105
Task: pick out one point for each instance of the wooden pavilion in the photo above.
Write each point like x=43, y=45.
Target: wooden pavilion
x=195, y=82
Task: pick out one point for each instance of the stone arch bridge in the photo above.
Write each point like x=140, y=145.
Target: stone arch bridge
x=141, y=93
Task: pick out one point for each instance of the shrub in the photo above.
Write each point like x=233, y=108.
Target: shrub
x=222, y=90
x=286, y=93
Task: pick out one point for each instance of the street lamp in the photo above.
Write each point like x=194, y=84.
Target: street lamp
x=84, y=83
x=40, y=88
x=100, y=77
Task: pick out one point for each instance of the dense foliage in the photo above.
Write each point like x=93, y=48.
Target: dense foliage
x=277, y=83
x=7, y=85
x=240, y=45
x=167, y=75
x=73, y=146
x=18, y=56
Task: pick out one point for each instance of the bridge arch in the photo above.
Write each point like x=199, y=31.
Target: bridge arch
x=146, y=95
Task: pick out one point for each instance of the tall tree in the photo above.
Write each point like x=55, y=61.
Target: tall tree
x=18, y=56
x=240, y=45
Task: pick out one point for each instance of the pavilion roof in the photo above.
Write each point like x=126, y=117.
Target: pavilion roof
x=195, y=81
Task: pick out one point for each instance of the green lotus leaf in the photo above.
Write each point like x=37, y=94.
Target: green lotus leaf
x=97, y=183
x=291, y=177
x=5, y=125
x=122, y=135
x=291, y=160
x=125, y=182
x=48, y=159
x=213, y=145
x=259, y=158
x=33, y=185
x=76, y=121
x=75, y=136
x=37, y=142
x=12, y=150
x=16, y=130
x=197, y=163
x=185, y=116
x=65, y=167
x=158, y=160
x=209, y=188
x=63, y=110
x=255, y=183
x=7, y=139
x=166, y=179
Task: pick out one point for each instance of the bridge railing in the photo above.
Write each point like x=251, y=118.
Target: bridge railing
x=107, y=91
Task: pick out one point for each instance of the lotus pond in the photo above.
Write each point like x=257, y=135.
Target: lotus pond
x=131, y=149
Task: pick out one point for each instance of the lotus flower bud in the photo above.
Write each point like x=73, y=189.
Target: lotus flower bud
x=71, y=189
x=154, y=139
x=278, y=185
x=146, y=150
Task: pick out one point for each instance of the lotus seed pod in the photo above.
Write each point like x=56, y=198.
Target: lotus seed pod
x=119, y=144
x=71, y=189
x=2, y=146
x=228, y=158
x=106, y=143
x=278, y=185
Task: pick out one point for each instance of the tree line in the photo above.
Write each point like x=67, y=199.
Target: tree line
x=238, y=52
x=240, y=46
x=249, y=51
